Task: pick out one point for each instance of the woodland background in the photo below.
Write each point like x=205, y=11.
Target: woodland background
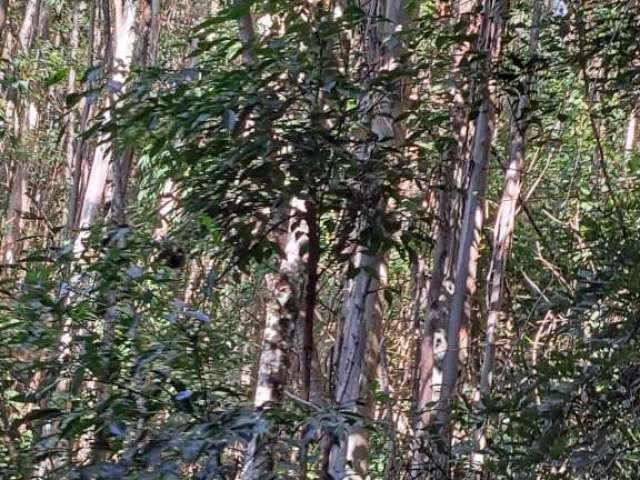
x=322, y=239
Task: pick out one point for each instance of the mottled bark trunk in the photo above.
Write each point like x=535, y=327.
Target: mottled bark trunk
x=283, y=312
x=291, y=302
x=489, y=44
x=504, y=224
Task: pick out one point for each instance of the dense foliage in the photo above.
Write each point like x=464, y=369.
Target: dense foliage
x=135, y=345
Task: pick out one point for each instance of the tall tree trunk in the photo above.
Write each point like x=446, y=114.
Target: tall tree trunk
x=505, y=221
x=453, y=179
x=121, y=51
x=144, y=55
x=309, y=373
x=290, y=289
x=283, y=312
x=23, y=117
x=4, y=7
x=489, y=45
x=18, y=205
x=29, y=24
x=73, y=144
x=357, y=350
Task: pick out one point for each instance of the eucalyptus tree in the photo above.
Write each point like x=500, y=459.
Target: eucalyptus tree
x=506, y=215
x=118, y=55
x=357, y=351
x=22, y=115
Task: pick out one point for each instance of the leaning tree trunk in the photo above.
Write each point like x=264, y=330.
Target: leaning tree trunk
x=505, y=222
x=489, y=45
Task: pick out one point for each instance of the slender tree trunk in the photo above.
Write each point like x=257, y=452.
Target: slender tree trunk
x=18, y=205
x=4, y=7
x=357, y=351
x=505, y=222
x=357, y=358
x=121, y=48
x=453, y=180
x=73, y=144
x=632, y=131
x=309, y=307
x=23, y=116
x=490, y=42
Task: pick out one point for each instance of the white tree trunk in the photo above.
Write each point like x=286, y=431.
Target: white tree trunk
x=283, y=311
x=122, y=47
x=632, y=132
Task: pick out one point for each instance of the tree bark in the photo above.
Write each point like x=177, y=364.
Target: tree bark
x=505, y=222
x=357, y=350
x=73, y=144
x=453, y=179
x=632, y=131
x=23, y=118
x=489, y=44
x=283, y=312
x=121, y=50
x=4, y=7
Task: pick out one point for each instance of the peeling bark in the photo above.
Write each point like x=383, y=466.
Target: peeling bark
x=283, y=312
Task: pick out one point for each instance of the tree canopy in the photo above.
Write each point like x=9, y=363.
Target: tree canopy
x=311, y=239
